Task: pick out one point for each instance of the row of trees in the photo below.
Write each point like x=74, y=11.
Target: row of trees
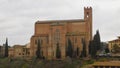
x=39, y=52
x=69, y=50
x=94, y=47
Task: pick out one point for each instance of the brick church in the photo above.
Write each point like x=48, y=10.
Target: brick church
x=52, y=32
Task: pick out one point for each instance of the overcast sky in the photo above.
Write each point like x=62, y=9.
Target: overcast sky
x=17, y=17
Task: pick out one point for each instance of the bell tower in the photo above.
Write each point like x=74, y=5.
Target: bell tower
x=88, y=19
x=88, y=13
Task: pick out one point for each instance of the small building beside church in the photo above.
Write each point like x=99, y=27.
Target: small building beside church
x=114, y=42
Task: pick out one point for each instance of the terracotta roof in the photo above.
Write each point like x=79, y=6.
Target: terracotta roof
x=75, y=33
x=18, y=46
x=51, y=21
x=118, y=39
x=10, y=49
x=114, y=40
x=107, y=63
x=27, y=45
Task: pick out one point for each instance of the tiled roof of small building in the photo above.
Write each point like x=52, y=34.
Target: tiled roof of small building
x=107, y=63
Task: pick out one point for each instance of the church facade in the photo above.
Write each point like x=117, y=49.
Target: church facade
x=52, y=32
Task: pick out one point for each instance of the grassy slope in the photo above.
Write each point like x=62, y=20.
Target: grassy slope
x=20, y=63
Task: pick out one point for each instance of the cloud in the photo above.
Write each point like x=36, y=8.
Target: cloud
x=17, y=17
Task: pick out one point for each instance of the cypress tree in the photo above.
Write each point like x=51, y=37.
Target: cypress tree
x=6, y=48
x=77, y=51
x=83, y=54
x=58, y=52
x=70, y=49
x=93, y=49
x=38, y=51
x=97, y=39
x=90, y=47
x=95, y=44
x=66, y=50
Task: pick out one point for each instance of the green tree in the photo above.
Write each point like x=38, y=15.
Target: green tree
x=6, y=48
x=58, y=52
x=97, y=40
x=83, y=53
x=66, y=50
x=70, y=49
x=38, y=51
x=107, y=50
x=90, y=47
x=95, y=45
x=77, y=51
x=116, y=48
x=94, y=49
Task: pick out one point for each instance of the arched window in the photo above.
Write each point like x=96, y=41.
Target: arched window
x=47, y=39
x=75, y=39
x=87, y=14
x=57, y=36
x=36, y=41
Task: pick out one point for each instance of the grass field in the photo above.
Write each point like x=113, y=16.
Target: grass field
x=21, y=63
